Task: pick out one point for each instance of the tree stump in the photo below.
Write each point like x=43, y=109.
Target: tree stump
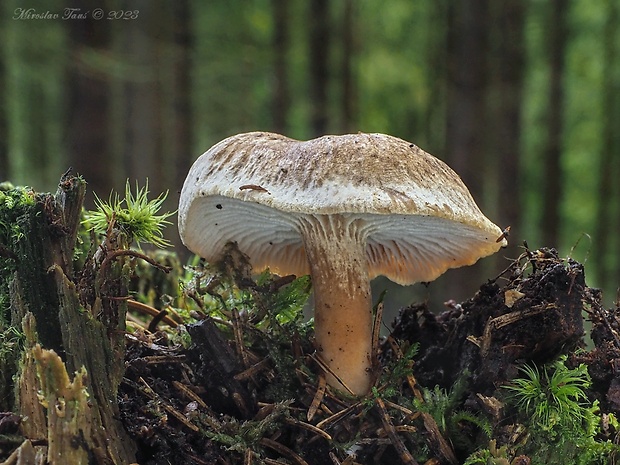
x=74, y=322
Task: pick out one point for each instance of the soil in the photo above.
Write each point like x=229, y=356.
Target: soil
x=534, y=312
x=227, y=398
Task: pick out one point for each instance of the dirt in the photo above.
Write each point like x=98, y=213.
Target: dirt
x=256, y=398
x=533, y=312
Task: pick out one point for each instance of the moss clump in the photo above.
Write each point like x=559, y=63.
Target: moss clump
x=15, y=209
x=135, y=216
x=562, y=423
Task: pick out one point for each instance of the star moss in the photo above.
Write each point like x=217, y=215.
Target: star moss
x=135, y=215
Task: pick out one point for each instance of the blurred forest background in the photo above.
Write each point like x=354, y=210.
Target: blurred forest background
x=520, y=97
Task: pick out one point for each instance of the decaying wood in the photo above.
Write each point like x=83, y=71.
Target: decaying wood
x=69, y=417
x=78, y=418
x=24, y=455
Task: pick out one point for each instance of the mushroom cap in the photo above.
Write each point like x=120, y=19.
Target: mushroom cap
x=415, y=213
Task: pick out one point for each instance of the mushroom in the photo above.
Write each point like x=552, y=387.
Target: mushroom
x=343, y=209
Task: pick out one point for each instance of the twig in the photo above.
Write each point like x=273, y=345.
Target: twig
x=376, y=331
x=610, y=328
x=339, y=415
x=411, y=381
x=144, y=308
x=318, y=397
x=327, y=369
x=247, y=460
x=436, y=441
x=132, y=253
x=167, y=407
x=110, y=256
x=397, y=442
x=283, y=450
x=238, y=333
x=309, y=427
x=252, y=370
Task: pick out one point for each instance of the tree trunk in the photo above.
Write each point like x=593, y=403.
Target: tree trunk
x=33, y=100
x=467, y=71
x=179, y=155
x=319, y=65
x=142, y=100
x=4, y=146
x=348, y=102
x=552, y=187
x=436, y=71
x=506, y=121
x=88, y=116
x=281, y=95
x=466, y=120
x=606, y=242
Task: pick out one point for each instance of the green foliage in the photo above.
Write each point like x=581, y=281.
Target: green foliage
x=14, y=205
x=441, y=404
x=239, y=436
x=135, y=215
x=153, y=287
x=11, y=347
x=271, y=303
x=401, y=367
x=445, y=406
x=11, y=342
x=562, y=422
x=267, y=309
x=288, y=303
x=492, y=456
x=554, y=401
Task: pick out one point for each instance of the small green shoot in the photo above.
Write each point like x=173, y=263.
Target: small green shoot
x=563, y=424
x=492, y=456
x=289, y=301
x=552, y=399
x=135, y=215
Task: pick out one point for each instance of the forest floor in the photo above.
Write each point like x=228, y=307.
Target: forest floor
x=244, y=392
x=219, y=364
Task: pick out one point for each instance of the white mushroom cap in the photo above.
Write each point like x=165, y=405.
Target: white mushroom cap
x=340, y=208
x=416, y=214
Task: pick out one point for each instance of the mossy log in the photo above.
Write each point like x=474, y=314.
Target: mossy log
x=74, y=323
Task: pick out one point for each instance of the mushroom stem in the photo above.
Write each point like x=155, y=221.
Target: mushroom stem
x=336, y=250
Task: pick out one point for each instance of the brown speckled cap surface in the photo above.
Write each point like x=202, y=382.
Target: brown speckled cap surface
x=415, y=214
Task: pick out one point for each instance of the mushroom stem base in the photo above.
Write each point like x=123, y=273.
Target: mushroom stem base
x=343, y=321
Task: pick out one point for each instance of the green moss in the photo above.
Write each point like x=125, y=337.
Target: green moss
x=492, y=456
x=15, y=210
x=562, y=423
x=135, y=216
